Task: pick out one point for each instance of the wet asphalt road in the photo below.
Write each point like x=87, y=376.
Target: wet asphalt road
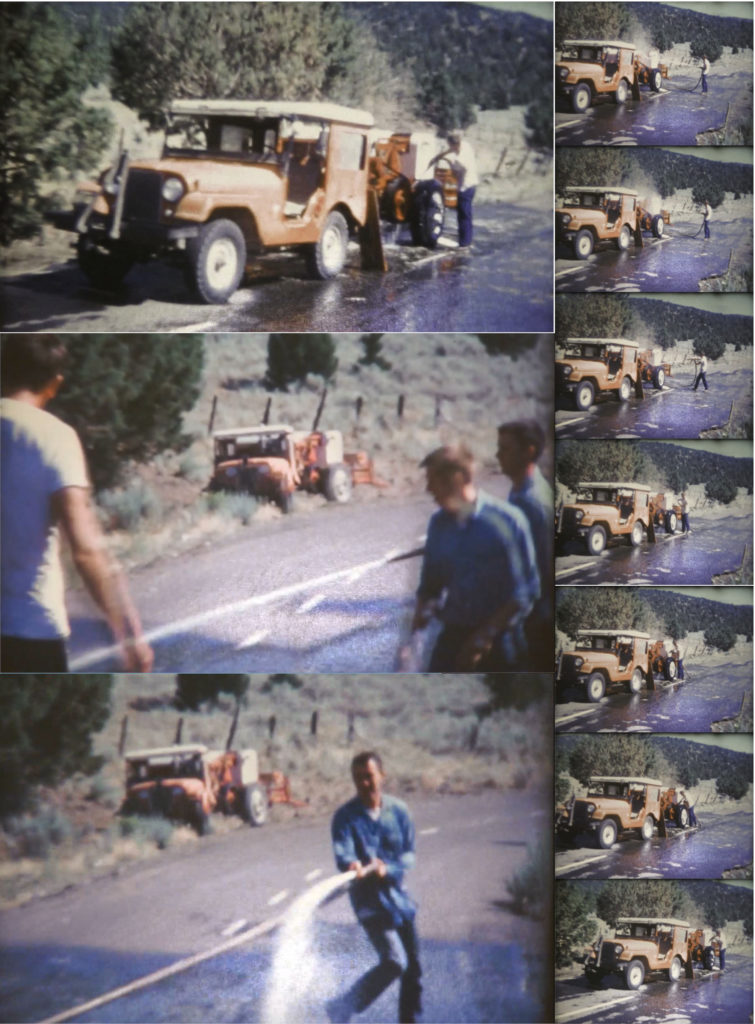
x=675, y=263
x=708, y=694
x=710, y=998
x=504, y=283
x=713, y=547
x=674, y=412
x=724, y=841
x=63, y=950
x=672, y=117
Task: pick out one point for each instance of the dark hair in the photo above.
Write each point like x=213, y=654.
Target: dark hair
x=363, y=759
x=527, y=432
x=30, y=360
x=450, y=460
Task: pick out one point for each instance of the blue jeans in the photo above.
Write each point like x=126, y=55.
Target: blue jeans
x=706, y=225
x=705, y=82
x=700, y=377
x=464, y=215
x=398, y=957
x=685, y=522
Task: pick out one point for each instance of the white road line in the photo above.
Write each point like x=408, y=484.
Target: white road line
x=568, y=124
x=207, y=326
x=578, y=864
x=574, y=568
x=312, y=875
x=561, y=720
x=233, y=928
x=591, y=1009
x=570, y=270
x=575, y=419
x=252, y=640
x=232, y=608
x=310, y=604
x=278, y=898
x=429, y=831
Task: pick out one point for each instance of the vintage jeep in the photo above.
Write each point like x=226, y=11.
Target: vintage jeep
x=615, y=805
x=187, y=782
x=236, y=177
x=602, y=658
x=409, y=191
x=587, y=367
x=590, y=68
x=598, y=213
x=640, y=947
x=274, y=461
x=603, y=511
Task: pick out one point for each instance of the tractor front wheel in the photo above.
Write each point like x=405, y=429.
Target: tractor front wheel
x=337, y=484
x=659, y=378
x=255, y=804
x=656, y=78
x=658, y=226
x=428, y=214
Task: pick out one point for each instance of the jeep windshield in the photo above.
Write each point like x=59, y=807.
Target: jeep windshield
x=254, y=140
x=617, y=790
x=634, y=930
x=597, y=496
x=596, y=643
x=588, y=200
x=577, y=350
x=585, y=53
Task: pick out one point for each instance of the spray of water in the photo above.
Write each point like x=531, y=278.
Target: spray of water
x=295, y=990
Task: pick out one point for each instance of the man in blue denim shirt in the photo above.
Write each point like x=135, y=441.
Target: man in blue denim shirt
x=479, y=574
x=520, y=445
x=373, y=835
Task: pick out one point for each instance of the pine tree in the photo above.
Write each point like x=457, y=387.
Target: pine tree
x=290, y=357
x=194, y=690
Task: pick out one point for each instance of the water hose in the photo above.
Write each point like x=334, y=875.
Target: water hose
x=334, y=884
x=679, y=234
x=680, y=89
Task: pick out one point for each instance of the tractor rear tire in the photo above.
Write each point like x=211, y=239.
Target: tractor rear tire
x=596, y=539
x=326, y=258
x=595, y=687
x=255, y=804
x=584, y=243
x=584, y=395
x=337, y=484
x=428, y=214
x=581, y=98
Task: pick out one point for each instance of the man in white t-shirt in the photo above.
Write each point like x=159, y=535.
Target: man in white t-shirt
x=461, y=157
x=705, y=68
x=46, y=492
x=702, y=366
x=707, y=215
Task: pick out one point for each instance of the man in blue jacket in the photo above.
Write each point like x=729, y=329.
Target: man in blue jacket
x=373, y=835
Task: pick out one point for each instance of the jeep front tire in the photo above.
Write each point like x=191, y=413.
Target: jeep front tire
x=607, y=834
x=635, y=681
x=648, y=828
x=217, y=257
x=625, y=390
x=584, y=395
x=595, y=687
x=326, y=258
x=675, y=969
x=624, y=238
x=634, y=974
x=637, y=535
x=596, y=539
x=622, y=91
x=584, y=244
x=581, y=98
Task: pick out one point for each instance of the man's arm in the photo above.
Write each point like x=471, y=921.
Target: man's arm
x=73, y=510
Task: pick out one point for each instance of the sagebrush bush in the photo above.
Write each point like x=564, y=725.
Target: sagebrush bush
x=34, y=835
x=529, y=888
x=147, y=830
x=126, y=508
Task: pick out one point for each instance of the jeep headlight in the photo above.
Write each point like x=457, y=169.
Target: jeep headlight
x=590, y=808
x=579, y=514
x=173, y=189
x=567, y=370
x=618, y=948
x=578, y=662
x=563, y=72
x=565, y=218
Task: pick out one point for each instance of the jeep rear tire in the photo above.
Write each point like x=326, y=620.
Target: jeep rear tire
x=584, y=395
x=326, y=258
x=428, y=214
x=634, y=974
x=659, y=377
x=595, y=687
x=584, y=244
x=635, y=681
x=607, y=834
x=624, y=392
x=637, y=535
x=658, y=226
x=670, y=522
x=581, y=98
x=624, y=238
x=337, y=484
x=596, y=539
x=255, y=804
x=622, y=92
x=105, y=268
x=655, y=79
x=648, y=828
x=217, y=257
x=675, y=969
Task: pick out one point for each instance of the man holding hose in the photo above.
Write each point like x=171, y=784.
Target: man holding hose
x=373, y=835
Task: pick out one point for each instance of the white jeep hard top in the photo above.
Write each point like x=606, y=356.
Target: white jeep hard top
x=275, y=108
x=614, y=632
x=638, y=779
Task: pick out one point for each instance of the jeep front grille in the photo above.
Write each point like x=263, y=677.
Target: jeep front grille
x=580, y=818
x=608, y=957
x=569, y=521
x=568, y=672
x=143, y=197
